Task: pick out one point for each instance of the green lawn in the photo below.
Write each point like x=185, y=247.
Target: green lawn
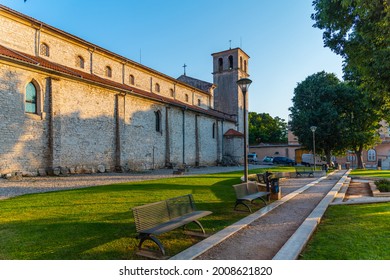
x=370, y=173
x=97, y=222
x=352, y=232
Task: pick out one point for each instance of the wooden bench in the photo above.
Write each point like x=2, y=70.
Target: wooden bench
x=160, y=217
x=248, y=192
x=300, y=170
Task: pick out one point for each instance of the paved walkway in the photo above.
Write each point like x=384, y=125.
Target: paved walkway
x=277, y=231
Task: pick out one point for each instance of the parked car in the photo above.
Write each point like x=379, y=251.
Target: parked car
x=252, y=158
x=268, y=160
x=283, y=161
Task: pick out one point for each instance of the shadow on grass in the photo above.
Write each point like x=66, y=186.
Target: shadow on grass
x=97, y=222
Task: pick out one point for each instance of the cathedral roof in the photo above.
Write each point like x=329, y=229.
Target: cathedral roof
x=199, y=84
x=55, y=68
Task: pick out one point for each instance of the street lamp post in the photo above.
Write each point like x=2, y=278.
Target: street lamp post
x=244, y=84
x=313, y=129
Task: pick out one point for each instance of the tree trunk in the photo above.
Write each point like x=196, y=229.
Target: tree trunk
x=328, y=157
x=359, y=158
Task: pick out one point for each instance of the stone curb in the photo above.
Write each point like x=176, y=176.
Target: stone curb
x=206, y=244
x=293, y=247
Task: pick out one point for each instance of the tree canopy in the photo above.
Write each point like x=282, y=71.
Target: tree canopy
x=314, y=104
x=359, y=31
x=342, y=112
x=266, y=129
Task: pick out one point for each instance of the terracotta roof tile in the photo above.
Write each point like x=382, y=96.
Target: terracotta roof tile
x=232, y=132
x=48, y=65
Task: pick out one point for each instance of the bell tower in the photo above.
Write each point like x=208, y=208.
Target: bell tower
x=228, y=67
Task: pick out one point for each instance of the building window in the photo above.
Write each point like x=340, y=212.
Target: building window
x=220, y=64
x=81, y=62
x=158, y=121
x=245, y=66
x=157, y=87
x=186, y=96
x=214, y=130
x=172, y=92
x=199, y=102
x=31, y=99
x=131, y=80
x=371, y=155
x=108, y=72
x=45, y=51
x=241, y=62
x=230, y=62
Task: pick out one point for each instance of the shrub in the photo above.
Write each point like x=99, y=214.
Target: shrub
x=383, y=185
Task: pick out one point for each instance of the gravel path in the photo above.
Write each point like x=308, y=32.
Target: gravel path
x=11, y=188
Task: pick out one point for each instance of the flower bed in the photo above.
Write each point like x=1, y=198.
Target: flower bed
x=380, y=188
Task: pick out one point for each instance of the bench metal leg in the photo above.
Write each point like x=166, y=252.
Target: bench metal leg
x=196, y=233
x=144, y=237
x=243, y=203
x=265, y=202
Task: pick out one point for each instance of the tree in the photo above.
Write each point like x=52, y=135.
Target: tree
x=344, y=114
x=314, y=104
x=359, y=31
x=264, y=128
x=359, y=121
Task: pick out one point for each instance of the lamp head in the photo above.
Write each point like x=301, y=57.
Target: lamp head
x=244, y=84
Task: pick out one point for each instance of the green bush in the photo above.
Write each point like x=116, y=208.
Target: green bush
x=383, y=185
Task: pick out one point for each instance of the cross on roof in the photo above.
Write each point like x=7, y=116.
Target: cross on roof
x=184, y=66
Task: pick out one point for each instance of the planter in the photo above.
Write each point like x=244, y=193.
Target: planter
x=376, y=192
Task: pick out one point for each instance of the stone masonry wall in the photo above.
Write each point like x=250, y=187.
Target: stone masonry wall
x=80, y=125
x=23, y=137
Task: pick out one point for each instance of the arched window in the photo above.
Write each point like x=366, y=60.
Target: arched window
x=157, y=87
x=158, y=121
x=108, y=72
x=186, y=96
x=81, y=61
x=31, y=103
x=172, y=92
x=214, y=130
x=230, y=62
x=245, y=66
x=44, y=50
x=371, y=155
x=131, y=80
x=199, y=102
x=241, y=62
x=220, y=64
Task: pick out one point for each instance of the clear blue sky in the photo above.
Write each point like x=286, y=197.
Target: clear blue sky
x=277, y=35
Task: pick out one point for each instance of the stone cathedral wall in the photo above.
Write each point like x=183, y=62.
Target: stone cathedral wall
x=81, y=126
